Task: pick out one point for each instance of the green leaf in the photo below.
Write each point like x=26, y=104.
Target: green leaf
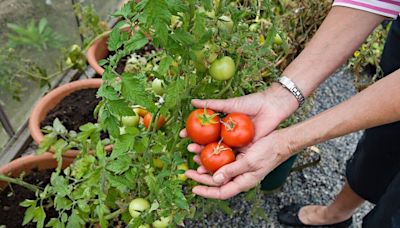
x=118, y=182
x=28, y=203
x=137, y=41
x=39, y=217
x=29, y=214
x=107, y=92
x=100, y=152
x=59, y=127
x=119, y=108
x=164, y=65
x=123, y=144
x=119, y=165
x=117, y=38
x=46, y=143
x=182, y=203
x=111, y=123
x=133, y=89
x=62, y=203
x=173, y=95
x=74, y=220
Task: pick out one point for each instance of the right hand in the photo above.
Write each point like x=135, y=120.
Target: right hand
x=266, y=109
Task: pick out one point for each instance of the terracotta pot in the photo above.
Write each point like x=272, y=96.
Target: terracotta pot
x=99, y=50
x=50, y=100
x=28, y=163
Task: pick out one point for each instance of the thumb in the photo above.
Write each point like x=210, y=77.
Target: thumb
x=231, y=170
x=219, y=105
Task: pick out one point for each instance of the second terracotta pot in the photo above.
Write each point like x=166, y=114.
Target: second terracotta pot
x=50, y=100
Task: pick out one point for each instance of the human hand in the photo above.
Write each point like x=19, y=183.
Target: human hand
x=250, y=167
x=266, y=109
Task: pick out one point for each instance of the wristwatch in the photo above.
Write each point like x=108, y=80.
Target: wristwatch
x=289, y=85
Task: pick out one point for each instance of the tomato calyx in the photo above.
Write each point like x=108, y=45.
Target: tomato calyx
x=217, y=150
x=229, y=125
x=206, y=119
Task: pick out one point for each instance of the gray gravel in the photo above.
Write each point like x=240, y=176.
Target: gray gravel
x=316, y=185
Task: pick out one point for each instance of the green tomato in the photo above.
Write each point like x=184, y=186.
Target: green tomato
x=223, y=68
x=254, y=27
x=162, y=223
x=278, y=39
x=184, y=167
x=130, y=121
x=158, y=86
x=144, y=226
x=138, y=205
x=225, y=23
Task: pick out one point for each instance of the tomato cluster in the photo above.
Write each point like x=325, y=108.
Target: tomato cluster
x=205, y=127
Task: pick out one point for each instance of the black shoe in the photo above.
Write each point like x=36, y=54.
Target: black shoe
x=289, y=216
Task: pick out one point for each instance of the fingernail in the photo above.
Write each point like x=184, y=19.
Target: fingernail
x=190, y=148
x=219, y=178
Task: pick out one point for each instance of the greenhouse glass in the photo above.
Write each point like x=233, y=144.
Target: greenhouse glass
x=18, y=98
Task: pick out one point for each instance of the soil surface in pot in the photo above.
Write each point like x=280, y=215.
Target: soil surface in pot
x=11, y=214
x=144, y=51
x=74, y=110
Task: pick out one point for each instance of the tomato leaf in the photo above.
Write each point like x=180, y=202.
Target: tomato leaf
x=133, y=89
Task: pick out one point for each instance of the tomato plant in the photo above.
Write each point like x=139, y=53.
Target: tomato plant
x=223, y=68
x=237, y=130
x=199, y=52
x=148, y=119
x=215, y=155
x=203, y=126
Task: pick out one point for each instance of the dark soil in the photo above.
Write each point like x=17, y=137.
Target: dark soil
x=146, y=50
x=74, y=110
x=11, y=214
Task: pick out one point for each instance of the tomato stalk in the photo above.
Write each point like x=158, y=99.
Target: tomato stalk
x=229, y=125
x=206, y=119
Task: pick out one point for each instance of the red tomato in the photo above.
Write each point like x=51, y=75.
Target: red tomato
x=203, y=126
x=215, y=155
x=237, y=130
x=147, y=120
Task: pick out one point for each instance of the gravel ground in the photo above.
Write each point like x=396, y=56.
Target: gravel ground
x=316, y=185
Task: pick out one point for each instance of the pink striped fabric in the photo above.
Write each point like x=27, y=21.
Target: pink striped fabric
x=387, y=8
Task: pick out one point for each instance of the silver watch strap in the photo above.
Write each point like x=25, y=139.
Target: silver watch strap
x=289, y=85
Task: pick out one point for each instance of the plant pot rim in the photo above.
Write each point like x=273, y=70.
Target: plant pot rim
x=29, y=162
x=50, y=100
x=99, y=50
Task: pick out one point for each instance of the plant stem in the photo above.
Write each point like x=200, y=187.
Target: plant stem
x=113, y=215
x=22, y=183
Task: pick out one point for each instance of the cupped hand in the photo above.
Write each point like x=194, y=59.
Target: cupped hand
x=266, y=109
x=250, y=167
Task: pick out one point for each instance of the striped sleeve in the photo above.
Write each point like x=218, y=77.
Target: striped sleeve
x=387, y=8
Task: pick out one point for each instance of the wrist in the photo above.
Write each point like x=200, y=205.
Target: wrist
x=283, y=100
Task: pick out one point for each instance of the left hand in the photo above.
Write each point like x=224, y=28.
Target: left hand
x=250, y=167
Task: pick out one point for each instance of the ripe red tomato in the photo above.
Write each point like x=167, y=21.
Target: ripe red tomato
x=237, y=130
x=215, y=155
x=203, y=126
x=147, y=120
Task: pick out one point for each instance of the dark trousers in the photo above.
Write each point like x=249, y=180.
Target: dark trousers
x=373, y=172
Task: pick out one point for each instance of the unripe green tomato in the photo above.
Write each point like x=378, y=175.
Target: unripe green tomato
x=184, y=167
x=137, y=206
x=225, y=23
x=277, y=39
x=130, y=121
x=158, y=163
x=223, y=68
x=254, y=27
x=158, y=86
x=162, y=223
x=144, y=226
